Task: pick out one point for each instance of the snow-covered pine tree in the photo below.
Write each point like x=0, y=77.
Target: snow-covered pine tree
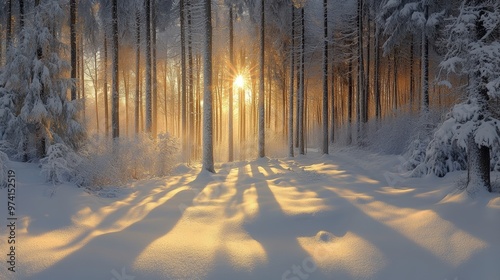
x=34, y=102
x=474, y=51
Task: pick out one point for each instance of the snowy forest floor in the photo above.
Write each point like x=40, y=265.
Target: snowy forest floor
x=341, y=216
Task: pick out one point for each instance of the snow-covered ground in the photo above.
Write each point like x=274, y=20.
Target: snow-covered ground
x=341, y=216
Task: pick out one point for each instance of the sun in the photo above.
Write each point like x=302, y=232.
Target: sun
x=239, y=81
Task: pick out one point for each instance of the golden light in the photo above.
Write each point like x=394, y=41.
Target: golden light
x=239, y=82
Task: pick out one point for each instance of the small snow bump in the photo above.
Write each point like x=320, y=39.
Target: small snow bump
x=324, y=236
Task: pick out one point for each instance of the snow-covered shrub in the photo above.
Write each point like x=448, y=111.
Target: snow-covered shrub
x=61, y=164
x=113, y=163
x=3, y=169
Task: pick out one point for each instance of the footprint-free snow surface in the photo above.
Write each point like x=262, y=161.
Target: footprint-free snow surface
x=345, y=216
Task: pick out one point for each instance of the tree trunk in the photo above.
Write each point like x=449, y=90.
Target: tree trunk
x=190, y=84
x=72, y=7
x=325, y=77
x=154, y=75
x=425, y=66
x=300, y=113
x=149, y=113
x=116, y=98
x=8, y=31
x=376, y=76
x=105, y=86
x=137, y=68
x=183, y=80
x=292, y=85
x=262, y=151
x=479, y=156
x=208, y=154
x=230, y=97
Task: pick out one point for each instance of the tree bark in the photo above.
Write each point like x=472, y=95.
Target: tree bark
x=230, y=97
x=325, y=77
x=292, y=85
x=116, y=98
x=262, y=151
x=208, y=156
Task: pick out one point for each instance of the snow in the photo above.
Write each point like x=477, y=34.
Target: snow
x=314, y=217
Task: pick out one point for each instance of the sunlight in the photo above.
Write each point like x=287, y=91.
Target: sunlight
x=239, y=81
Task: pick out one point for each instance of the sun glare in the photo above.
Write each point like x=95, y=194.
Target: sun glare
x=239, y=81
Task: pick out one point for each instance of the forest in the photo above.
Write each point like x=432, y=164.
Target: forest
x=107, y=94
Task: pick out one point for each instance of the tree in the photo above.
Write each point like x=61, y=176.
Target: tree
x=115, y=117
x=230, y=98
x=325, y=77
x=474, y=51
x=149, y=113
x=72, y=6
x=33, y=100
x=208, y=154
x=292, y=85
x=262, y=143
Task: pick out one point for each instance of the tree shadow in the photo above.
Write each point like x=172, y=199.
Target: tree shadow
x=97, y=258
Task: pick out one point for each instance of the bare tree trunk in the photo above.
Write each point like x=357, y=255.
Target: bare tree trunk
x=149, y=113
x=116, y=98
x=292, y=85
x=377, y=72
x=105, y=89
x=230, y=98
x=183, y=80
x=262, y=151
x=190, y=84
x=425, y=65
x=208, y=153
x=300, y=113
x=325, y=77
x=137, y=68
x=154, y=75
x=8, y=31
x=72, y=7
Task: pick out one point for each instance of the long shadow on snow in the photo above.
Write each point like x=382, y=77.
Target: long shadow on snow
x=97, y=258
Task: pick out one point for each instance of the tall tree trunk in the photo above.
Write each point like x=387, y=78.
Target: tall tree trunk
x=149, y=113
x=325, y=77
x=376, y=76
x=116, y=98
x=8, y=31
x=137, y=68
x=154, y=75
x=350, y=100
x=411, y=72
x=190, y=84
x=208, y=153
x=96, y=70
x=105, y=86
x=292, y=85
x=425, y=65
x=300, y=113
x=21, y=15
x=230, y=97
x=262, y=151
x=72, y=7
x=361, y=98
x=182, y=7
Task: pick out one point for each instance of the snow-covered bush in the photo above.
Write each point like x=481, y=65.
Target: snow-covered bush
x=3, y=169
x=61, y=164
x=113, y=163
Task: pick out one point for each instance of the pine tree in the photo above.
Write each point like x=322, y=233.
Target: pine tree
x=36, y=109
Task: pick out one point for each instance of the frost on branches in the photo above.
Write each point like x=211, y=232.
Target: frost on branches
x=473, y=51
x=34, y=87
